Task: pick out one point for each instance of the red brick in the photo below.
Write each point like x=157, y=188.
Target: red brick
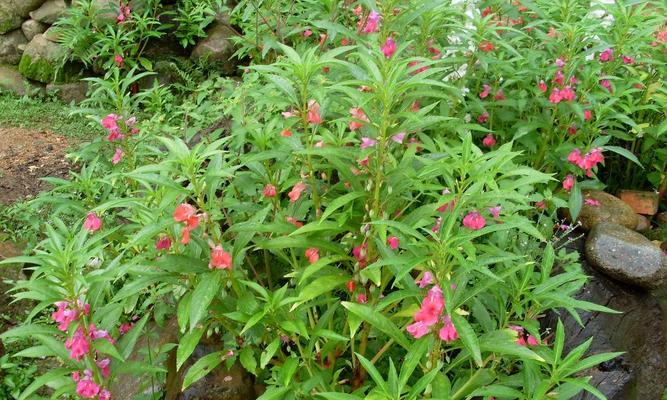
x=641, y=202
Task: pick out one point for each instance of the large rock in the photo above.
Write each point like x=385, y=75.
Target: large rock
x=217, y=48
x=32, y=28
x=42, y=61
x=639, y=330
x=69, y=92
x=626, y=255
x=49, y=12
x=611, y=209
x=9, y=47
x=14, y=12
x=12, y=80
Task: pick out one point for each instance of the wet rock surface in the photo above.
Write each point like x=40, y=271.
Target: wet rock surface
x=640, y=331
x=217, y=48
x=610, y=209
x=626, y=255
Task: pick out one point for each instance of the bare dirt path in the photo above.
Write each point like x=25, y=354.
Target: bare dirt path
x=25, y=157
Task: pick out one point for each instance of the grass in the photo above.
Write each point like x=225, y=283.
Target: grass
x=43, y=114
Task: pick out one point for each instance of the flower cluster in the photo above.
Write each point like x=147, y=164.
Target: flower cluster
x=430, y=314
x=586, y=162
x=119, y=129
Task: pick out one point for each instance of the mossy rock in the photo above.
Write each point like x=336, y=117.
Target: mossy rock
x=42, y=61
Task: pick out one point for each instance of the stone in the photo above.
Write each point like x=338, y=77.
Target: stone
x=643, y=223
x=68, y=92
x=9, y=47
x=626, y=255
x=12, y=80
x=217, y=48
x=32, y=28
x=14, y=12
x=42, y=61
x=49, y=12
x=638, y=330
x=662, y=218
x=233, y=383
x=641, y=202
x=611, y=209
x=52, y=34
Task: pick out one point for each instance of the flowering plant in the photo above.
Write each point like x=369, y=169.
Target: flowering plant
x=375, y=220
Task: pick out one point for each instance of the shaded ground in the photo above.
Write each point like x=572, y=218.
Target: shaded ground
x=27, y=155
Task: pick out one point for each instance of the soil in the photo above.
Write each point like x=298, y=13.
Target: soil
x=25, y=157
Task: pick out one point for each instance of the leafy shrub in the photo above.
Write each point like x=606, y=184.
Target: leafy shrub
x=370, y=214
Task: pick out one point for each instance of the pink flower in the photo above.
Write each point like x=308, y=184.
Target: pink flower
x=270, y=190
x=87, y=388
x=559, y=78
x=312, y=254
x=288, y=114
x=76, y=376
x=78, y=345
x=448, y=332
x=361, y=298
x=103, y=365
x=438, y=224
x=541, y=205
x=606, y=83
x=592, y=202
x=125, y=328
x=307, y=33
x=296, y=191
x=628, y=60
x=372, y=22
x=489, y=140
x=542, y=86
x=607, y=55
x=63, y=316
x=483, y=117
x=425, y=280
x=568, y=182
x=393, y=242
x=574, y=157
x=389, y=47
x=485, y=92
x=118, y=155
x=474, y=221
x=163, y=243
x=418, y=329
x=358, y=114
x=568, y=94
x=572, y=130
x=118, y=59
x=314, y=116
x=95, y=333
x=399, y=137
x=588, y=114
x=105, y=395
x=495, y=211
x=532, y=340
x=93, y=222
x=294, y=221
x=560, y=63
x=364, y=161
x=573, y=80
x=359, y=252
x=220, y=259
x=124, y=13
x=367, y=142
x=500, y=95
x=431, y=307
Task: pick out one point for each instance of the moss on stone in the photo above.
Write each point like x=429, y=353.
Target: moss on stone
x=42, y=70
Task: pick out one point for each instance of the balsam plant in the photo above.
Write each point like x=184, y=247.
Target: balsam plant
x=374, y=219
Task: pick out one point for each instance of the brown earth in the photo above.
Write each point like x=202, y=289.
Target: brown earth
x=25, y=157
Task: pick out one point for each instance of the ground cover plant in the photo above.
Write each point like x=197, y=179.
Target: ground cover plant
x=369, y=212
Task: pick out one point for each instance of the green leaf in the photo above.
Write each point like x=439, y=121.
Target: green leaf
x=378, y=321
x=247, y=358
x=51, y=376
x=201, y=368
x=104, y=346
x=575, y=202
x=625, y=153
x=267, y=354
x=374, y=373
x=187, y=345
x=320, y=286
x=468, y=337
x=340, y=202
x=339, y=396
x=207, y=288
x=129, y=340
x=497, y=391
x=412, y=359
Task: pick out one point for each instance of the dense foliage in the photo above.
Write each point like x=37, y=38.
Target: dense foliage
x=368, y=213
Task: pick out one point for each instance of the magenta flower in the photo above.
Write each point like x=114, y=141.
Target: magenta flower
x=418, y=329
x=568, y=182
x=93, y=222
x=118, y=155
x=425, y=280
x=485, y=92
x=542, y=86
x=87, y=388
x=489, y=140
x=628, y=60
x=592, y=202
x=393, y=242
x=495, y=211
x=474, y=221
x=607, y=55
x=606, y=83
x=448, y=332
x=559, y=78
x=103, y=365
x=314, y=116
x=372, y=22
x=296, y=191
x=500, y=95
x=359, y=115
x=63, y=316
x=483, y=117
x=105, y=395
x=312, y=254
x=307, y=33
x=399, y=137
x=78, y=345
x=361, y=298
x=389, y=47
x=560, y=63
x=367, y=142
x=588, y=114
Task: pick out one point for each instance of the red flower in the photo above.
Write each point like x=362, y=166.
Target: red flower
x=542, y=86
x=568, y=182
x=270, y=190
x=489, y=140
x=474, y=221
x=486, y=46
x=312, y=254
x=163, y=243
x=483, y=117
x=393, y=242
x=220, y=259
x=296, y=191
x=314, y=116
x=588, y=114
x=286, y=133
